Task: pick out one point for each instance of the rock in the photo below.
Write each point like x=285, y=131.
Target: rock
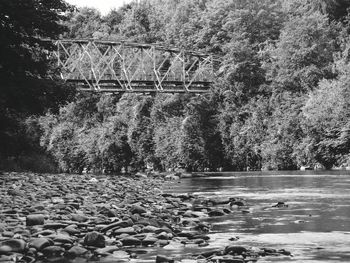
x=79, y=218
x=76, y=251
x=72, y=229
x=164, y=259
x=131, y=241
x=12, y=245
x=280, y=204
x=93, y=180
x=60, y=238
x=54, y=226
x=107, y=250
x=237, y=203
x=35, y=219
x=219, y=201
x=94, y=239
x=232, y=250
x=149, y=240
x=53, y=251
x=225, y=259
x=151, y=229
x=216, y=213
x=210, y=253
x=172, y=177
x=125, y=230
x=141, y=175
x=136, y=209
x=40, y=243
x=121, y=223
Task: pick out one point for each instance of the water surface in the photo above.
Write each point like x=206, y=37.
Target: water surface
x=315, y=226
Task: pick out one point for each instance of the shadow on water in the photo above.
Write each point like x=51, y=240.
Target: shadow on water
x=315, y=226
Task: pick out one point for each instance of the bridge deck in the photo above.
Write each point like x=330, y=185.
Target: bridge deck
x=131, y=67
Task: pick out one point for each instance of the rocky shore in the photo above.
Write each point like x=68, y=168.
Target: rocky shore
x=81, y=218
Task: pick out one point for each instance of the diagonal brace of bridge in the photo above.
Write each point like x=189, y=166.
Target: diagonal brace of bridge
x=130, y=67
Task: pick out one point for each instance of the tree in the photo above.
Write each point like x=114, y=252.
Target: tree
x=303, y=55
x=25, y=67
x=327, y=113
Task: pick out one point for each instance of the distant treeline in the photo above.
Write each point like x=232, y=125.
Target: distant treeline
x=281, y=98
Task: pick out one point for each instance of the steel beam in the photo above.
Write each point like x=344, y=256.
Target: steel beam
x=130, y=67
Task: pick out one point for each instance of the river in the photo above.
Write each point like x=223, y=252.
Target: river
x=315, y=226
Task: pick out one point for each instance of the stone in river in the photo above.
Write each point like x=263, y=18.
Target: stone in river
x=40, y=243
x=54, y=225
x=226, y=259
x=53, y=251
x=210, y=253
x=151, y=229
x=79, y=218
x=125, y=230
x=35, y=219
x=12, y=245
x=164, y=259
x=216, y=213
x=280, y=204
x=76, y=251
x=8, y=234
x=94, y=239
x=237, y=203
x=131, y=241
x=60, y=238
x=149, y=240
x=220, y=201
x=72, y=229
x=125, y=223
x=137, y=209
x=234, y=250
x=107, y=250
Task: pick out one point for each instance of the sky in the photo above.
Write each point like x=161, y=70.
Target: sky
x=104, y=6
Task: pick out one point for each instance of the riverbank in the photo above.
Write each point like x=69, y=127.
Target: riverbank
x=64, y=218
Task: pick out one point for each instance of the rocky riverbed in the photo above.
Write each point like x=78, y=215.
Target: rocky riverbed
x=81, y=218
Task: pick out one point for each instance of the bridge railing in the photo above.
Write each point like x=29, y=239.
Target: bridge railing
x=121, y=66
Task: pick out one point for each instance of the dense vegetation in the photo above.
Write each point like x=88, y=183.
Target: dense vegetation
x=281, y=99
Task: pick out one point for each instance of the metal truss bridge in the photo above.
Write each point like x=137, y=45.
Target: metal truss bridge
x=130, y=67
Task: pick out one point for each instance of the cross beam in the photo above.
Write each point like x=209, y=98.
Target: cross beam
x=130, y=67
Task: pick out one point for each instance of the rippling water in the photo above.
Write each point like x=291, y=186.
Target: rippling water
x=315, y=226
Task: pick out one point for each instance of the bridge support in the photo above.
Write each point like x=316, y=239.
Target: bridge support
x=129, y=67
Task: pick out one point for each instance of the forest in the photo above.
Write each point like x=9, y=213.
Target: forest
x=281, y=97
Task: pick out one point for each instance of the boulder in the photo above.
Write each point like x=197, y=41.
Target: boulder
x=94, y=239
x=35, y=219
x=121, y=223
x=137, y=209
x=125, y=230
x=237, y=203
x=131, y=241
x=234, y=250
x=216, y=213
x=53, y=251
x=164, y=259
x=149, y=241
x=40, y=243
x=79, y=218
x=12, y=245
x=280, y=204
x=76, y=251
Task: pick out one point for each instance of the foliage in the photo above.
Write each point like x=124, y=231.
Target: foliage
x=280, y=100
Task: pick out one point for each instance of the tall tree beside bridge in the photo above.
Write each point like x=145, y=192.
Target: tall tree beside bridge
x=24, y=62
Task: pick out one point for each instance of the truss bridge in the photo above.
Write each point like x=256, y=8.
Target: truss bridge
x=130, y=67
